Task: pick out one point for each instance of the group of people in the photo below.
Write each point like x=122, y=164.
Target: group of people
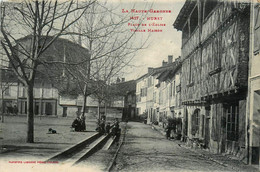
x=104, y=128
x=79, y=123
x=11, y=110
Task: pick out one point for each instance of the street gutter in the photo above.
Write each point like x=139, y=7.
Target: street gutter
x=112, y=163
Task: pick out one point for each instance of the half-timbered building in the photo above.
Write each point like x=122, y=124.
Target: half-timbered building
x=215, y=36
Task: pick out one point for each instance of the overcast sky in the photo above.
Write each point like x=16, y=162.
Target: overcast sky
x=162, y=44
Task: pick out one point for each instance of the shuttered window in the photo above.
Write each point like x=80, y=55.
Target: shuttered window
x=195, y=122
x=257, y=29
x=232, y=122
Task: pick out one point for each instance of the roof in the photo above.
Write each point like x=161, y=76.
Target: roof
x=59, y=39
x=184, y=14
x=123, y=88
x=143, y=76
x=52, y=72
x=163, y=75
x=169, y=72
x=161, y=69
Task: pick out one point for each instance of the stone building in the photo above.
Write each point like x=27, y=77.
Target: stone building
x=126, y=90
x=168, y=92
x=215, y=51
x=50, y=89
x=146, y=92
x=158, y=92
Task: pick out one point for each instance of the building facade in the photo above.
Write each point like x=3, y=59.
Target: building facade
x=158, y=92
x=215, y=39
x=253, y=106
x=168, y=91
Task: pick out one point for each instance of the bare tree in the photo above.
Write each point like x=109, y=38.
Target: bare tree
x=39, y=20
x=111, y=44
x=4, y=87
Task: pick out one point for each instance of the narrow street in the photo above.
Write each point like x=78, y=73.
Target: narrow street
x=145, y=149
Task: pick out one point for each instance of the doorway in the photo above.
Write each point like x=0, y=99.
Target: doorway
x=48, y=109
x=64, y=113
x=207, y=134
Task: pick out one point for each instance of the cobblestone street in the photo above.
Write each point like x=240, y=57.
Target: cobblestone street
x=145, y=149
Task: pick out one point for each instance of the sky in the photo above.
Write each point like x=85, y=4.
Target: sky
x=161, y=44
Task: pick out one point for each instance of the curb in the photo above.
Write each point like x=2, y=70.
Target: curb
x=117, y=151
x=73, y=148
x=93, y=149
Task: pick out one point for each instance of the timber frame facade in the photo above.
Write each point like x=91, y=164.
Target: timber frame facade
x=215, y=52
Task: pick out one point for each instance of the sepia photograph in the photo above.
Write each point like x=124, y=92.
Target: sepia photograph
x=129, y=85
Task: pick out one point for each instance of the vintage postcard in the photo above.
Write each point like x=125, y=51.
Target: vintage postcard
x=134, y=85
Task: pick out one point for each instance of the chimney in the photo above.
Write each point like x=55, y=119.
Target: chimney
x=164, y=63
x=117, y=80
x=177, y=60
x=170, y=58
x=150, y=69
x=123, y=80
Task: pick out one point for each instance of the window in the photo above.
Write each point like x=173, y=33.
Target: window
x=232, y=122
x=185, y=33
x=143, y=92
x=191, y=72
x=150, y=81
x=257, y=29
x=170, y=90
x=154, y=97
x=194, y=20
x=178, y=88
x=138, y=98
x=173, y=88
x=7, y=91
x=23, y=92
x=160, y=97
x=209, y=5
x=195, y=122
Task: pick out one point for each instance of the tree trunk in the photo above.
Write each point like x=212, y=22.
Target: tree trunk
x=106, y=109
x=2, y=104
x=30, y=114
x=86, y=89
x=84, y=100
x=98, y=109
